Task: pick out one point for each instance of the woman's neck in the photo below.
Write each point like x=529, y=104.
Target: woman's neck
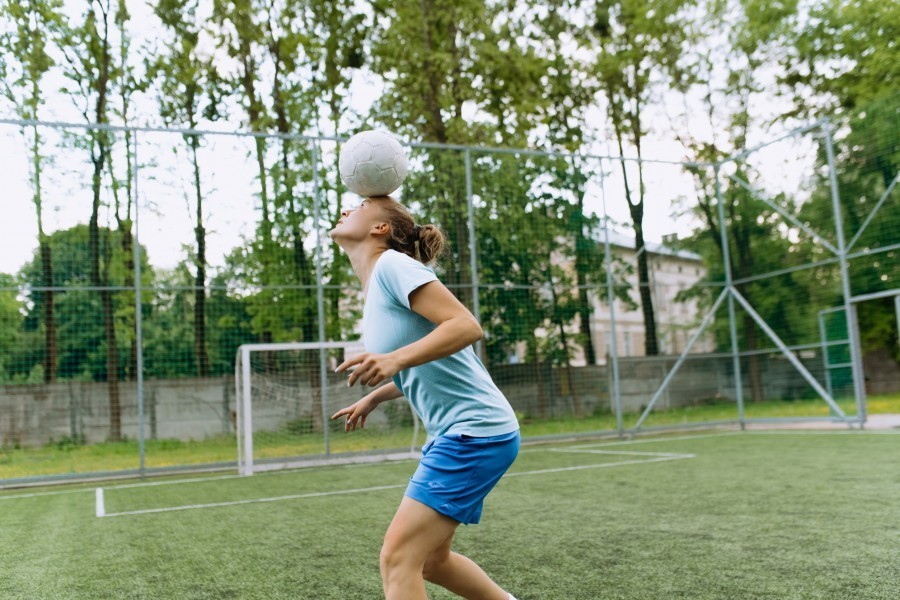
x=363, y=260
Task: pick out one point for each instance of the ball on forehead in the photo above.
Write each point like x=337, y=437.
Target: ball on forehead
x=372, y=163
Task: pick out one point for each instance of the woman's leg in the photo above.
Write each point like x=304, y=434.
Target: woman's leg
x=420, y=536
x=460, y=575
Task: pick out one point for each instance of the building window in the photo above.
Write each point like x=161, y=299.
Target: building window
x=628, y=351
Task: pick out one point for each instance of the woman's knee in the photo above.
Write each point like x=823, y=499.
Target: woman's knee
x=395, y=555
x=434, y=563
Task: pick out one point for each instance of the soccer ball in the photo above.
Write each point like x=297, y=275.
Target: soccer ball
x=372, y=163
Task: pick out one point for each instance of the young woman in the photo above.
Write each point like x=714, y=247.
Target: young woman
x=417, y=337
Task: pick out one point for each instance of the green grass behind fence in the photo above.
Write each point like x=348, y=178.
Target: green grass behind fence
x=68, y=458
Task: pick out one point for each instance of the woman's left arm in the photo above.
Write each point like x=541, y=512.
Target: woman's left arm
x=456, y=329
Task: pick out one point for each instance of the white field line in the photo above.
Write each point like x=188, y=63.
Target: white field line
x=36, y=494
x=254, y=500
x=602, y=465
x=640, y=441
x=523, y=451
x=652, y=458
x=101, y=508
x=350, y=466
x=199, y=479
x=585, y=450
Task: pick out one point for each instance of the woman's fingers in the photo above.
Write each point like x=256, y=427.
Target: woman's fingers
x=368, y=372
x=350, y=362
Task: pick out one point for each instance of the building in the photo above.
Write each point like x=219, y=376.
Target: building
x=671, y=272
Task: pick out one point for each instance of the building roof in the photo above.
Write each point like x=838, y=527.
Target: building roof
x=621, y=240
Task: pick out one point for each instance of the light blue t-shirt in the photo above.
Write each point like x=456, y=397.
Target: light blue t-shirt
x=451, y=395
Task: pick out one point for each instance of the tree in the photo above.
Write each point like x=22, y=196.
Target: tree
x=843, y=57
x=82, y=349
x=241, y=35
x=36, y=28
x=127, y=84
x=187, y=85
x=438, y=58
x=290, y=46
x=91, y=68
x=10, y=323
x=570, y=94
x=635, y=42
x=730, y=72
x=337, y=46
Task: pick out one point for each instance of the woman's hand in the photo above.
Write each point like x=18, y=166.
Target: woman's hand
x=371, y=369
x=357, y=413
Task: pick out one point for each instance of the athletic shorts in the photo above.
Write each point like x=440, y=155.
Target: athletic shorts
x=457, y=472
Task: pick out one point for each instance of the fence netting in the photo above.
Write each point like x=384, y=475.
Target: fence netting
x=145, y=259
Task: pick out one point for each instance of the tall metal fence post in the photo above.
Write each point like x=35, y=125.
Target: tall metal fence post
x=320, y=295
x=859, y=384
x=138, y=314
x=897, y=313
x=612, y=351
x=729, y=286
x=476, y=305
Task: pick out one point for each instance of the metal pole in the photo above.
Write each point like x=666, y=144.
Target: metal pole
x=320, y=296
x=238, y=407
x=616, y=395
x=852, y=325
x=476, y=305
x=897, y=311
x=729, y=288
x=681, y=358
x=792, y=358
x=247, y=415
x=326, y=138
x=823, y=334
x=138, y=316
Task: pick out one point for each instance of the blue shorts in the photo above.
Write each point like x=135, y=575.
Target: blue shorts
x=457, y=472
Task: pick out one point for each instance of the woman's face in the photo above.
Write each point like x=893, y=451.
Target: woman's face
x=356, y=223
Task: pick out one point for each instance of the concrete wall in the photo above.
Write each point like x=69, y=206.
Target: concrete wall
x=882, y=372
x=178, y=409
x=184, y=409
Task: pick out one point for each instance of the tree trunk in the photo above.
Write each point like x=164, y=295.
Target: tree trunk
x=581, y=274
x=200, y=351
x=564, y=343
x=651, y=347
x=636, y=209
x=51, y=359
x=743, y=269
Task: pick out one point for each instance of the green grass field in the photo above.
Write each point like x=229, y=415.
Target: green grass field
x=728, y=515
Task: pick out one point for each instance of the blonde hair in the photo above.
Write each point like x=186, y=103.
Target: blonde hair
x=425, y=243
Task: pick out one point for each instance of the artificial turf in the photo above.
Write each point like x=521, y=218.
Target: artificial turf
x=781, y=515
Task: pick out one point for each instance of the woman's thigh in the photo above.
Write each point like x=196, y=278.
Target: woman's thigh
x=417, y=531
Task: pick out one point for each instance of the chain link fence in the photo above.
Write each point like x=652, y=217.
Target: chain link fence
x=617, y=295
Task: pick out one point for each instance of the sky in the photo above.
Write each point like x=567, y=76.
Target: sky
x=165, y=185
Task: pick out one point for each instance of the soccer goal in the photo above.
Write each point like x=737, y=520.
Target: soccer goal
x=285, y=395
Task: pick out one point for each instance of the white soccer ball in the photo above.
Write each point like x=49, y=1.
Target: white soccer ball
x=372, y=163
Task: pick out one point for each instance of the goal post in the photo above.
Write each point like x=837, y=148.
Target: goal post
x=285, y=394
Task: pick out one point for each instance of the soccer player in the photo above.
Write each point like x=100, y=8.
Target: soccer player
x=418, y=339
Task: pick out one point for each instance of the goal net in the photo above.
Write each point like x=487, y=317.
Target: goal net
x=285, y=396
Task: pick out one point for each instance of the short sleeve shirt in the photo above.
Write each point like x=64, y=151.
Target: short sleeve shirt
x=454, y=394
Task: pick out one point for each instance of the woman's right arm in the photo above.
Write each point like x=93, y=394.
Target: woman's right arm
x=357, y=412
x=386, y=392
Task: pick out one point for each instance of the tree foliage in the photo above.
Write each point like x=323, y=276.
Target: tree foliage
x=558, y=75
